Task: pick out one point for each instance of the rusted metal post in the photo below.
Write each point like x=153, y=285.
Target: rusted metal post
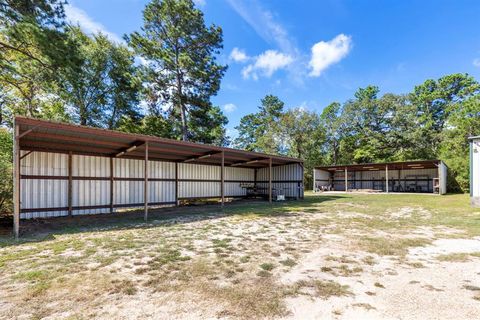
x=176, y=183
x=270, y=180
x=386, y=178
x=222, y=178
x=346, y=179
x=145, y=187
x=16, y=181
x=112, y=182
x=70, y=181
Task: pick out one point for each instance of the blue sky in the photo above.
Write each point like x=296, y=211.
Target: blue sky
x=311, y=53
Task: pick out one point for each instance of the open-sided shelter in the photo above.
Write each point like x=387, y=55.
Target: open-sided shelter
x=63, y=169
x=424, y=176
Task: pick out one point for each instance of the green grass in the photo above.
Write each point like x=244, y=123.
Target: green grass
x=152, y=255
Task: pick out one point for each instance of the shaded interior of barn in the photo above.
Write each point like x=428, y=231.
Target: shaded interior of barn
x=425, y=176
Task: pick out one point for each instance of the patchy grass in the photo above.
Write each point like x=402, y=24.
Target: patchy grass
x=325, y=289
x=391, y=246
x=267, y=266
x=288, y=262
x=229, y=263
x=454, y=257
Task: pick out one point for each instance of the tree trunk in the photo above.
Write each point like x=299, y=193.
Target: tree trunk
x=179, y=103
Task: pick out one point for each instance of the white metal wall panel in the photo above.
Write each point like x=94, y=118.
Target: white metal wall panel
x=197, y=171
x=87, y=166
x=475, y=172
x=90, y=193
x=239, y=174
x=281, y=173
x=321, y=178
x=188, y=189
x=233, y=189
x=161, y=170
x=43, y=193
x=128, y=168
x=44, y=164
x=375, y=179
x=161, y=191
x=128, y=192
x=53, y=193
x=288, y=189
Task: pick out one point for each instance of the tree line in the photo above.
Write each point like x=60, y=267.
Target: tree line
x=431, y=122
x=160, y=80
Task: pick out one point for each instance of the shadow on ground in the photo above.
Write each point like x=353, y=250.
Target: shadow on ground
x=35, y=230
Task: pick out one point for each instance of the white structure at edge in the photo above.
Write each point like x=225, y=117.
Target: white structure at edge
x=475, y=171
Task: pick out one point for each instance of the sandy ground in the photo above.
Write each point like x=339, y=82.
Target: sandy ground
x=322, y=244
x=434, y=291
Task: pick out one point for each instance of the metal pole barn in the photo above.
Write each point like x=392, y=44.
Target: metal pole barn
x=88, y=170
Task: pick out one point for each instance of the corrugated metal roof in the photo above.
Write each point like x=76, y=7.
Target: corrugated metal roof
x=43, y=135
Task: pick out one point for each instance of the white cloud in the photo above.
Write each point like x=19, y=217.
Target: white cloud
x=476, y=62
x=326, y=53
x=229, y=107
x=264, y=24
x=200, y=3
x=238, y=55
x=78, y=16
x=266, y=64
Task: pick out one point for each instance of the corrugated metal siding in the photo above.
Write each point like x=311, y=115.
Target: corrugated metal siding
x=376, y=179
x=43, y=163
x=43, y=193
x=287, y=172
x=197, y=171
x=233, y=189
x=239, y=174
x=128, y=168
x=198, y=189
x=161, y=170
x=292, y=190
x=162, y=191
x=85, y=166
x=53, y=193
x=321, y=178
x=291, y=174
x=128, y=192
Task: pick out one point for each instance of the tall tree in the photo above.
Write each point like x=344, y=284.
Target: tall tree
x=31, y=51
x=102, y=85
x=181, y=72
x=260, y=131
x=331, y=122
x=303, y=137
x=463, y=122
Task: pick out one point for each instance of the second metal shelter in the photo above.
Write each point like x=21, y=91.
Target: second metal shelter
x=423, y=176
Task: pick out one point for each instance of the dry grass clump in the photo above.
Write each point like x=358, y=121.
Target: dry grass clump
x=454, y=257
x=260, y=299
x=324, y=289
x=392, y=246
